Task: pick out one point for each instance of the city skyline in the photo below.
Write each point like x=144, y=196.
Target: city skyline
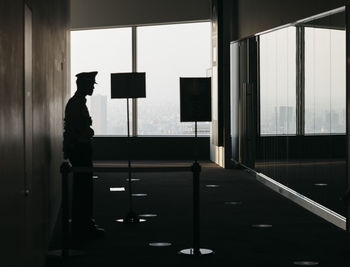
x=166, y=122
x=324, y=121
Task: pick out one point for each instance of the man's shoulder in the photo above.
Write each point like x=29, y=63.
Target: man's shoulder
x=75, y=101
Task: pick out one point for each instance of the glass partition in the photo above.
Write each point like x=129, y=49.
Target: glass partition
x=301, y=99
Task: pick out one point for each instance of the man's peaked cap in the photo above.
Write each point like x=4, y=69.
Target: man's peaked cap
x=89, y=76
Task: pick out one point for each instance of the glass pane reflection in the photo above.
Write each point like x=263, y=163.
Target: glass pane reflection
x=302, y=94
x=324, y=80
x=277, y=82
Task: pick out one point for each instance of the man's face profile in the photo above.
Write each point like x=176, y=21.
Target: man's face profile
x=86, y=87
x=86, y=82
x=90, y=88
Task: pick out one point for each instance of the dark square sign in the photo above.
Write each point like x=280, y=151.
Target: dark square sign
x=128, y=85
x=195, y=99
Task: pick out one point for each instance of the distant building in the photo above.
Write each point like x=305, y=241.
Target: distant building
x=99, y=113
x=285, y=119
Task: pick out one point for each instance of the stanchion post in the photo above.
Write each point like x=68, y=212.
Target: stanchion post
x=131, y=217
x=196, y=169
x=65, y=169
x=196, y=250
x=131, y=213
x=195, y=105
x=129, y=85
x=65, y=252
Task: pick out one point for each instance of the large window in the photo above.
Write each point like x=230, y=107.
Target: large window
x=105, y=51
x=324, y=81
x=164, y=52
x=278, y=82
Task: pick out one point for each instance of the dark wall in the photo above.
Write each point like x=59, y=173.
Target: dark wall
x=11, y=130
x=150, y=148
x=255, y=16
x=27, y=220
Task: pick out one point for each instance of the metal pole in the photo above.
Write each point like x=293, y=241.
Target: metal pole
x=195, y=142
x=196, y=168
x=348, y=113
x=134, y=69
x=129, y=163
x=65, y=168
x=65, y=252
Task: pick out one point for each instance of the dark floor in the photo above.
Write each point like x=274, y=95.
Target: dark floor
x=295, y=235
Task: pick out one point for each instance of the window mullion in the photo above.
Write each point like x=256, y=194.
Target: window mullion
x=134, y=69
x=300, y=79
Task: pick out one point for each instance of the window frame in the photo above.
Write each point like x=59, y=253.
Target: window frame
x=134, y=57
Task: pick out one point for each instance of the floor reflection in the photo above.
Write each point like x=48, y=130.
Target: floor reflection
x=321, y=180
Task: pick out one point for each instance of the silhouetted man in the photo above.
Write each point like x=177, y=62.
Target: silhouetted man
x=77, y=148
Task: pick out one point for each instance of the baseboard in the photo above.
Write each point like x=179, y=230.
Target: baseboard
x=301, y=200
